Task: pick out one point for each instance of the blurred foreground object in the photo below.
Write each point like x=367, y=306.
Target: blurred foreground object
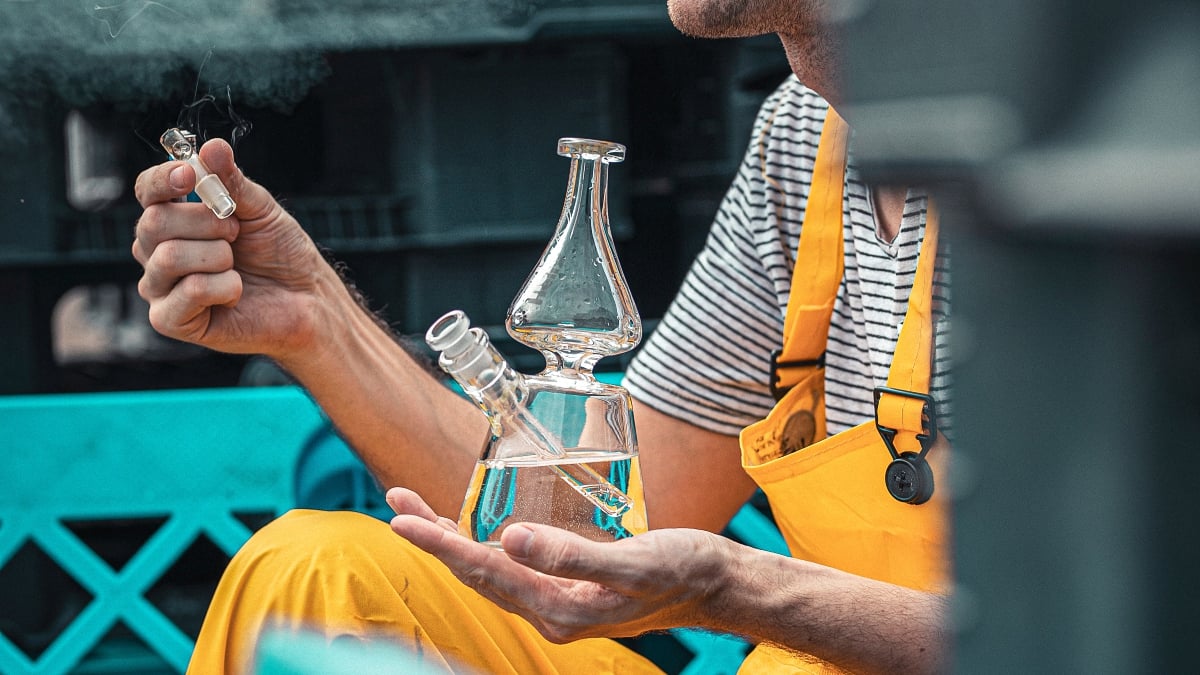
x=1063, y=143
x=282, y=653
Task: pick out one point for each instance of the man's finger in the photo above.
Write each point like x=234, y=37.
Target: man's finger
x=163, y=222
x=428, y=534
x=563, y=554
x=217, y=155
x=252, y=199
x=175, y=259
x=405, y=501
x=481, y=567
x=186, y=311
x=164, y=182
x=470, y=562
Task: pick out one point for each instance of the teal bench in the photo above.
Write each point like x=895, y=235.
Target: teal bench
x=202, y=468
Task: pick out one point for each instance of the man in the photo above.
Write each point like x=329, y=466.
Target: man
x=851, y=598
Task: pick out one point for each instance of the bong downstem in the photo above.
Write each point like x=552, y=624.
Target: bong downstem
x=469, y=357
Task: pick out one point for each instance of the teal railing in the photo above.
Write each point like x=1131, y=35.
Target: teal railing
x=200, y=465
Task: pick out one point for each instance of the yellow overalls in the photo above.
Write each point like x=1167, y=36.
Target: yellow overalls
x=829, y=498
x=347, y=575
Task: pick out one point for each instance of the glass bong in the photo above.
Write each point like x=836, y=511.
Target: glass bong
x=562, y=448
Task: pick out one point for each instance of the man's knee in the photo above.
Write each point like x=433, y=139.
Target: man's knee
x=311, y=558
x=344, y=571
x=307, y=528
x=305, y=541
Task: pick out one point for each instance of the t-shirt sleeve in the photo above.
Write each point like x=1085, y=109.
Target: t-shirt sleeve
x=707, y=360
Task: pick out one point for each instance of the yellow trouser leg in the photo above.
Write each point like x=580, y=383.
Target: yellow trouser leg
x=348, y=575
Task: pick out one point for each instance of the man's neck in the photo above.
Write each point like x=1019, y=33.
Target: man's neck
x=889, y=210
x=815, y=59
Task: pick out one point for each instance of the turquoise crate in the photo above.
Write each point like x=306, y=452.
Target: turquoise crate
x=197, y=464
x=193, y=459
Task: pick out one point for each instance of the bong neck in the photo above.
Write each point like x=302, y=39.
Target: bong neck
x=588, y=193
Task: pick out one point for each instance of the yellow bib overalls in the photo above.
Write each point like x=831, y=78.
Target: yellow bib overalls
x=830, y=498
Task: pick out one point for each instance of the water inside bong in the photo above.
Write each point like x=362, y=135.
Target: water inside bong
x=533, y=489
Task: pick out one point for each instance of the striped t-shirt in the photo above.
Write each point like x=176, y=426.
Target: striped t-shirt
x=707, y=361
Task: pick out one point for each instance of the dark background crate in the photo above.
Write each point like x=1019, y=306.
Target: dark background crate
x=430, y=169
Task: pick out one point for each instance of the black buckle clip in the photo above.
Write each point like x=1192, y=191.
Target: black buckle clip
x=779, y=391
x=927, y=412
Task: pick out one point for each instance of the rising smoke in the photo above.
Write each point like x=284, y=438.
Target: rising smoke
x=260, y=53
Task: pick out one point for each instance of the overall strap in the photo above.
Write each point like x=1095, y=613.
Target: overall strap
x=905, y=404
x=820, y=262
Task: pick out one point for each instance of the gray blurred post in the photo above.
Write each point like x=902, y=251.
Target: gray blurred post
x=1064, y=142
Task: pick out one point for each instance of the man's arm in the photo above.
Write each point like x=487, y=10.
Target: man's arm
x=406, y=425
x=862, y=625
x=256, y=283
x=692, y=477
x=570, y=588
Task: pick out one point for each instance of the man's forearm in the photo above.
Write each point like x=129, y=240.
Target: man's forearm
x=859, y=624
x=408, y=427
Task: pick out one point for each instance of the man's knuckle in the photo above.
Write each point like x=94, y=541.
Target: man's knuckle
x=224, y=255
x=563, y=559
x=159, y=320
x=149, y=226
x=195, y=286
x=168, y=255
x=475, y=577
x=141, y=186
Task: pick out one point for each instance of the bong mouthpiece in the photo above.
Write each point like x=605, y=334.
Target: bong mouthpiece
x=181, y=145
x=450, y=334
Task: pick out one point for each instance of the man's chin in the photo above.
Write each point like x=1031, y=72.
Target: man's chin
x=713, y=19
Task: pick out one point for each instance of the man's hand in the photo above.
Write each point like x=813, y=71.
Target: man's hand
x=244, y=284
x=569, y=587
